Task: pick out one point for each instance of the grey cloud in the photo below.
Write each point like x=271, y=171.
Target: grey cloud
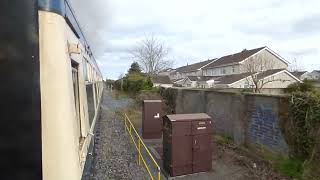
x=304, y=52
x=93, y=16
x=303, y=27
x=307, y=25
x=264, y=28
x=137, y=30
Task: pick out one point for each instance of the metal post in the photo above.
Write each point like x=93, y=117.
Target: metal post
x=130, y=133
x=139, y=151
x=159, y=174
x=125, y=124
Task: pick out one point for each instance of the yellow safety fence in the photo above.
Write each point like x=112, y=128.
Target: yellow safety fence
x=134, y=138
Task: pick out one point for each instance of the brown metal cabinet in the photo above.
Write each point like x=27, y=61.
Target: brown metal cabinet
x=152, y=119
x=187, y=143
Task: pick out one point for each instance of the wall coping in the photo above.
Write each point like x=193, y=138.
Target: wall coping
x=234, y=93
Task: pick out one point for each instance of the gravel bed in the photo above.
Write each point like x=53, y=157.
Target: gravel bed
x=114, y=158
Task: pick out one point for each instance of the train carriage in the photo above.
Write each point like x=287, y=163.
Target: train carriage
x=50, y=94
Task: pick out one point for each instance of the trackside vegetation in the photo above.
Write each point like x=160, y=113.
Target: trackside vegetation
x=302, y=131
x=134, y=81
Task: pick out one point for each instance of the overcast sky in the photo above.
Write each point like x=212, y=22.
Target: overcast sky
x=197, y=30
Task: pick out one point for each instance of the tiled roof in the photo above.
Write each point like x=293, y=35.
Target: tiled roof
x=298, y=74
x=202, y=78
x=166, y=70
x=161, y=80
x=175, y=80
x=229, y=79
x=234, y=58
x=267, y=73
x=193, y=67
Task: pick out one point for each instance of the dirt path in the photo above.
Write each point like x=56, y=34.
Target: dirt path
x=114, y=156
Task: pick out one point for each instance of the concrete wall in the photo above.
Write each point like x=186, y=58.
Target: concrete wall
x=250, y=119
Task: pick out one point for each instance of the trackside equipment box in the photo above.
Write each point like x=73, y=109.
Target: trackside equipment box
x=187, y=143
x=152, y=119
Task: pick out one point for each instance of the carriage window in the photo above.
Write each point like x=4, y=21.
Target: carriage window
x=90, y=102
x=85, y=70
x=75, y=80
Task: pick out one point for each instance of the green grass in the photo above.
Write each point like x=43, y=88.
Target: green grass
x=289, y=167
x=292, y=168
x=134, y=114
x=119, y=94
x=225, y=139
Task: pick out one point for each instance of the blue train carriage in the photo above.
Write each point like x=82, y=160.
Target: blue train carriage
x=50, y=93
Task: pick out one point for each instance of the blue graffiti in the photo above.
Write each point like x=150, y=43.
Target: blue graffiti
x=263, y=127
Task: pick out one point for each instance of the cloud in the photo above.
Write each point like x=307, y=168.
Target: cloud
x=309, y=24
x=200, y=29
x=94, y=17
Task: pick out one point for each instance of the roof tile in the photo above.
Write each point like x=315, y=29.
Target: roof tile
x=193, y=67
x=234, y=58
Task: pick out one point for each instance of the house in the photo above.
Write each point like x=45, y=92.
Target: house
x=273, y=78
x=261, y=59
x=314, y=75
x=178, y=81
x=199, y=81
x=162, y=81
x=302, y=75
x=166, y=72
x=190, y=70
x=240, y=70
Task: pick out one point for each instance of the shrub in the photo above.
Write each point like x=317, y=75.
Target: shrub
x=148, y=85
x=290, y=167
x=304, y=110
x=306, y=86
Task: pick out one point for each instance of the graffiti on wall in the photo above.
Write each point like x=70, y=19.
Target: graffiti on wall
x=264, y=128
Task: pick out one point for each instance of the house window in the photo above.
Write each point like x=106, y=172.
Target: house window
x=223, y=71
x=233, y=69
x=246, y=84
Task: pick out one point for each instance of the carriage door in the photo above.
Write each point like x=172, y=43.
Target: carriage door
x=75, y=81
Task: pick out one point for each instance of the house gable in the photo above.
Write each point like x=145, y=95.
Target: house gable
x=272, y=60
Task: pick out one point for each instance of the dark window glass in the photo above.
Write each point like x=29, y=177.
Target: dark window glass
x=97, y=96
x=90, y=101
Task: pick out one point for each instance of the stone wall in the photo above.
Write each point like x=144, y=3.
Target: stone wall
x=250, y=119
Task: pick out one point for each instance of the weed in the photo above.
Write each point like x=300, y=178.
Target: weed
x=292, y=168
x=224, y=139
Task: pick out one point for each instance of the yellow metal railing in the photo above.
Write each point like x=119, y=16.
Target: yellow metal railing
x=134, y=135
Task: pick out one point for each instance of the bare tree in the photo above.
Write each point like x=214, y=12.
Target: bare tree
x=151, y=54
x=257, y=68
x=295, y=65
